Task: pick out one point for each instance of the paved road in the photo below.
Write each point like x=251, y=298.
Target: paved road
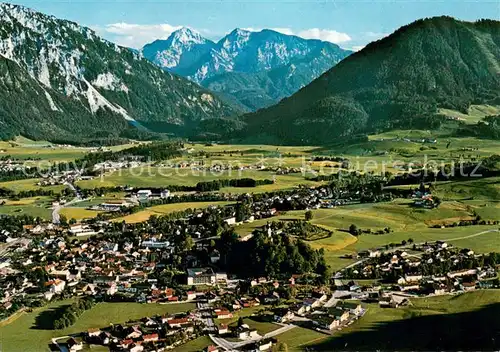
x=55, y=342
x=472, y=236
x=56, y=217
x=234, y=346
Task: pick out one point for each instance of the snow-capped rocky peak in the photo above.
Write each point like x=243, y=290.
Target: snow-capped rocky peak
x=187, y=36
x=182, y=48
x=236, y=39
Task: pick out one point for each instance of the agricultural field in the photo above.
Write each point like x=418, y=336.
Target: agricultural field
x=163, y=177
x=28, y=333
x=474, y=114
x=297, y=339
x=36, y=206
x=78, y=213
x=195, y=345
x=243, y=313
x=109, y=197
x=404, y=221
x=166, y=209
x=382, y=152
x=27, y=201
x=427, y=323
x=405, y=146
x=480, y=189
x=262, y=327
x=28, y=185
x=24, y=148
x=250, y=148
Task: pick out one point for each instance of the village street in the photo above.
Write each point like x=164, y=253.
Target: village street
x=234, y=346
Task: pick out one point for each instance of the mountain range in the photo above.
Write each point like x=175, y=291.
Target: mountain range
x=397, y=82
x=61, y=81
x=250, y=69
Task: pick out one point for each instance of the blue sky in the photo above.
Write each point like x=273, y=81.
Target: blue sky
x=349, y=23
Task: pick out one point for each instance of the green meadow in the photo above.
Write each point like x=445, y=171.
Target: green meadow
x=28, y=333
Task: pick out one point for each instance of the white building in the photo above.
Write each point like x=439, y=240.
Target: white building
x=144, y=194
x=200, y=276
x=230, y=221
x=56, y=286
x=153, y=243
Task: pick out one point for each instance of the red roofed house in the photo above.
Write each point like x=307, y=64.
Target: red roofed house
x=150, y=337
x=223, y=314
x=177, y=323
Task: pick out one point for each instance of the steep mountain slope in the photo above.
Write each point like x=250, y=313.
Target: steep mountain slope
x=61, y=81
x=180, y=51
x=254, y=69
x=397, y=82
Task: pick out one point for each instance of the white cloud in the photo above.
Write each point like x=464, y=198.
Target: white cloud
x=136, y=35
x=326, y=35
x=287, y=31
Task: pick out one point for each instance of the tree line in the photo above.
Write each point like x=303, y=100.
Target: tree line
x=68, y=315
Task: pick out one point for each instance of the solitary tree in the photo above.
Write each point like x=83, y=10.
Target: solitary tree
x=283, y=347
x=309, y=215
x=353, y=230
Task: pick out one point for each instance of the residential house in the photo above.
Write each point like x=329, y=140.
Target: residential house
x=177, y=322
x=244, y=332
x=230, y=221
x=468, y=286
x=214, y=256
x=144, y=194
x=136, y=347
x=223, y=314
x=466, y=272
x=283, y=315
x=326, y=322
x=95, y=332
x=222, y=329
x=200, y=276
x=265, y=345
x=134, y=332
x=413, y=278
x=339, y=314
x=352, y=307
x=150, y=338
x=56, y=286
x=74, y=345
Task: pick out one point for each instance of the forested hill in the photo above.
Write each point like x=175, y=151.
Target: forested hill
x=60, y=81
x=396, y=82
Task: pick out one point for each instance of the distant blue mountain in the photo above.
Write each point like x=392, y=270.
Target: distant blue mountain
x=252, y=69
